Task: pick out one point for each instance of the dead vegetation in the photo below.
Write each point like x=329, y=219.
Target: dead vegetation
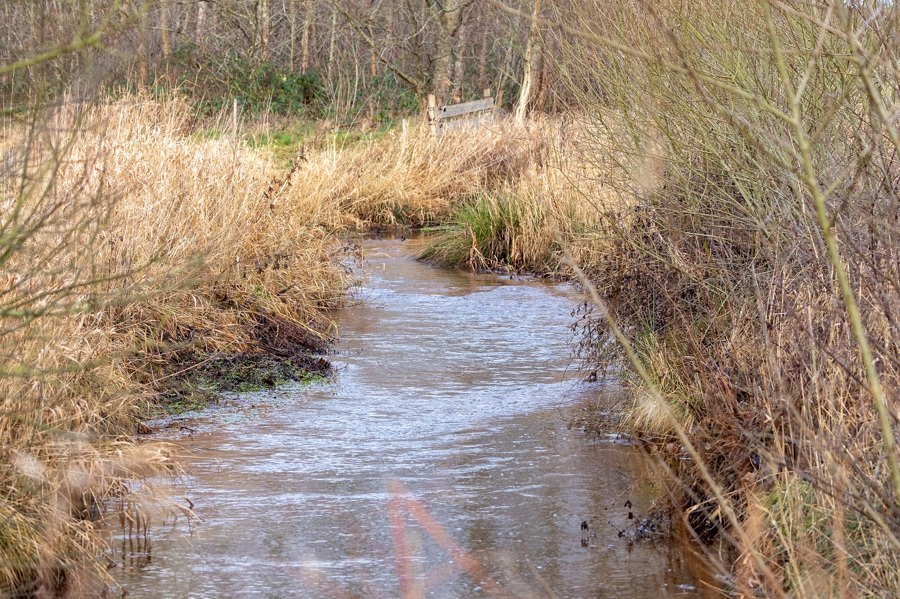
x=734, y=209
x=534, y=221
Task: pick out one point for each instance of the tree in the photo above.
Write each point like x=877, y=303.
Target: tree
x=450, y=18
x=164, y=27
x=200, y=30
x=304, y=39
x=534, y=65
x=262, y=28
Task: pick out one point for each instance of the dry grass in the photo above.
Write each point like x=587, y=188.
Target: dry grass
x=552, y=209
x=125, y=244
x=409, y=179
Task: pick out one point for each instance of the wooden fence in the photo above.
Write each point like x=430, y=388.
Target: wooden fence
x=467, y=115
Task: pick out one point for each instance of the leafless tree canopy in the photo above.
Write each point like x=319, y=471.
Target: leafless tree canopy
x=349, y=57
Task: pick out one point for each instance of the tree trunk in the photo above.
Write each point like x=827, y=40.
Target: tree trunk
x=262, y=28
x=373, y=53
x=448, y=29
x=331, y=42
x=459, y=64
x=542, y=96
x=533, y=60
x=181, y=28
x=143, y=52
x=483, y=49
x=164, y=27
x=370, y=33
x=292, y=21
x=200, y=31
x=304, y=40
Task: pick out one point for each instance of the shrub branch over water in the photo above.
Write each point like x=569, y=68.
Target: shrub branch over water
x=755, y=274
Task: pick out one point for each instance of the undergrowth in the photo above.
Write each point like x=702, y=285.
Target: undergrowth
x=532, y=223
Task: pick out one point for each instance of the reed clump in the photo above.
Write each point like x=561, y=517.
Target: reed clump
x=752, y=284
x=406, y=178
x=530, y=222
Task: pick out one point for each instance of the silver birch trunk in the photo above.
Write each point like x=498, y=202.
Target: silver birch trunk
x=449, y=22
x=164, y=27
x=533, y=60
x=331, y=42
x=200, y=31
x=262, y=28
x=304, y=40
x=292, y=20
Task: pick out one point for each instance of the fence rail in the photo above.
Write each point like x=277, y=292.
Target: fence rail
x=467, y=115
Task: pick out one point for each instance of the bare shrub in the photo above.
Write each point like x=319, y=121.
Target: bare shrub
x=754, y=279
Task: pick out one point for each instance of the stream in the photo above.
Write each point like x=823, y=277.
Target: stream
x=437, y=463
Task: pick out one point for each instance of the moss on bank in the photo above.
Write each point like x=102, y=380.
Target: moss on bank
x=197, y=382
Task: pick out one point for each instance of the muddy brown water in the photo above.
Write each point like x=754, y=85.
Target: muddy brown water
x=437, y=463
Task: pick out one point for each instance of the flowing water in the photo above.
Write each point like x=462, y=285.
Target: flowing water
x=437, y=463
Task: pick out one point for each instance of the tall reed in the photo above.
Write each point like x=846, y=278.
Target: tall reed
x=123, y=243
x=530, y=221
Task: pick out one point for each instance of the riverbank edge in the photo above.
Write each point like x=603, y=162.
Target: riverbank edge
x=185, y=302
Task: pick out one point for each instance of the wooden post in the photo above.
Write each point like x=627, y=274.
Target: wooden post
x=432, y=114
x=234, y=118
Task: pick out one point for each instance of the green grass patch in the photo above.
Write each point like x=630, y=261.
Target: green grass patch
x=480, y=235
x=289, y=144
x=501, y=231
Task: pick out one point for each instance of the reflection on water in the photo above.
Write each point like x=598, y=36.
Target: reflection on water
x=437, y=464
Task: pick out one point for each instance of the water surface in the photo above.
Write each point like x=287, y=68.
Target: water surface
x=437, y=463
